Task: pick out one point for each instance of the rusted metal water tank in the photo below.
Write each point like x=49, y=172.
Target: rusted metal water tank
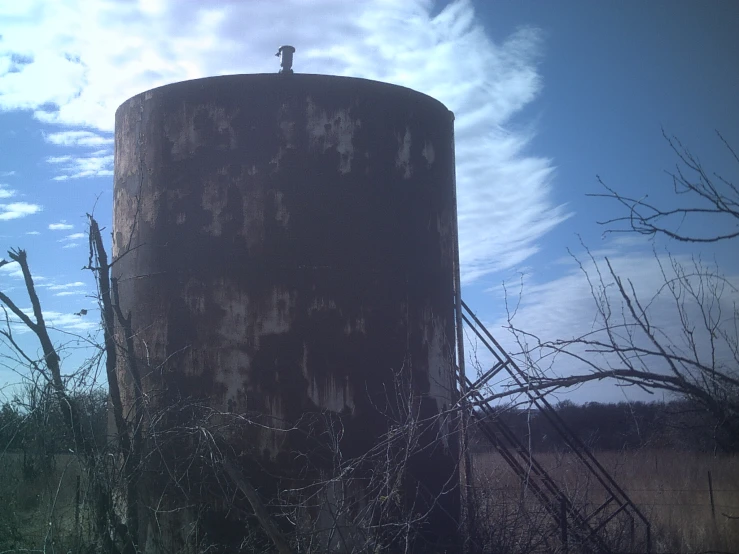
x=284, y=246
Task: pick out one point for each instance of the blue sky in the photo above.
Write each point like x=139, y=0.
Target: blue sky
x=546, y=94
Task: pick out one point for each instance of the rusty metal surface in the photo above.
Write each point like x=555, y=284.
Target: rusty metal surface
x=288, y=246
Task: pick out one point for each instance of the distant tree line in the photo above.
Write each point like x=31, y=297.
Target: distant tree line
x=32, y=423
x=679, y=425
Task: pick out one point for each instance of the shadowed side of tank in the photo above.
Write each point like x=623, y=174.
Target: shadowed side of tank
x=284, y=245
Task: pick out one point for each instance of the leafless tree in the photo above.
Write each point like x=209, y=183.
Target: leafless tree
x=694, y=352
x=47, y=373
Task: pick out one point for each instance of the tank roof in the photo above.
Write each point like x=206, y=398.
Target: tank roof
x=305, y=81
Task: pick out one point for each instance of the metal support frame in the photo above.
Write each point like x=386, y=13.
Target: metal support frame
x=583, y=528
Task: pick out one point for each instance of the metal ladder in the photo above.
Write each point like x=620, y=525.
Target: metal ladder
x=575, y=525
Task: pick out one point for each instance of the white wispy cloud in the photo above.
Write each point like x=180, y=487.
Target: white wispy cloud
x=70, y=321
x=5, y=192
x=12, y=269
x=75, y=71
x=98, y=162
x=72, y=237
x=64, y=286
x=78, y=138
x=7, y=173
x=27, y=87
x=94, y=164
x=56, y=321
x=61, y=226
x=58, y=159
x=71, y=293
x=17, y=210
x=33, y=233
x=71, y=245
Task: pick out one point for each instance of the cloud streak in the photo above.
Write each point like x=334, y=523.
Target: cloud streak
x=56, y=321
x=61, y=226
x=120, y=49
x=78, y=138
x=95, y=164
x=18, y=210
x=71, y=293
x=73, y=237
x=5, y=192
x=66, y=286
x=12, y=269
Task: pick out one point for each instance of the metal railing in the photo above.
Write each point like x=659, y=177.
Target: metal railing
x=574, y=524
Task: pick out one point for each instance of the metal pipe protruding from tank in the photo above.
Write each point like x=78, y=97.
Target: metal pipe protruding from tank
x=286, y=54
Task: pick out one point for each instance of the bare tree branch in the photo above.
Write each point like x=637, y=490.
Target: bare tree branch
x=706, y=194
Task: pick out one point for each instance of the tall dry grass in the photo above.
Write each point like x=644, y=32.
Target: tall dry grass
x=38, y=509
x=669, y=487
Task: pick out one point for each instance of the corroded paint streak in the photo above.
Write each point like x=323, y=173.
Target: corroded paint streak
x=428, y=153
x=332, y=130
x=403, y=158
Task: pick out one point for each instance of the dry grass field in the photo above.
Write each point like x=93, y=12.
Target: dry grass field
x=670, y=487
x=37, y=511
